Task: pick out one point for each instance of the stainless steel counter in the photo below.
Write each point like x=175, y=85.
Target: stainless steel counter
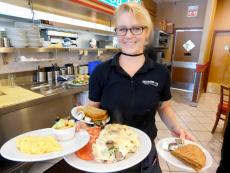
x=64, y=92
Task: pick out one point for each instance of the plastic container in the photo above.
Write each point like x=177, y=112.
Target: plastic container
x=92, y=65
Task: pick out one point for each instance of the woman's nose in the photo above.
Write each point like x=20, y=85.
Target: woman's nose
x=129, y=34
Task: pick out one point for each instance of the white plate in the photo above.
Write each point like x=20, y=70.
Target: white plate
x=10, y=151
x=93, y=166
x=74, y=114
x=166, y=155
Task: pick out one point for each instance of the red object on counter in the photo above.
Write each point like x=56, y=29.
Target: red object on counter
x=86, y=153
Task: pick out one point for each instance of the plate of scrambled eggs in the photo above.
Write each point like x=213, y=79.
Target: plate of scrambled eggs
x=40, y=145
x=129, y=147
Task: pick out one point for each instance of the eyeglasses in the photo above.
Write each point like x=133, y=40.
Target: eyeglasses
x=135, y=30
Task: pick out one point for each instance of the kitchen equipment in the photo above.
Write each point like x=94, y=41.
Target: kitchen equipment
x=63, y=71
x=56, y=70
x=11, y=80
x=49, y=73
x=41, y=76
x=76, y=69
x=161, y=39
x=83, y=69
x=1, y=42
x=70, y=69
x=6, y=42
x=93, y=43
x=56, y=74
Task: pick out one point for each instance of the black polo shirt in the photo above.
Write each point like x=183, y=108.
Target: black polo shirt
x=131, y=100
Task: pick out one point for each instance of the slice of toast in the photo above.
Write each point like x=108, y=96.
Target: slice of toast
x=191, y=155
x=94, y=113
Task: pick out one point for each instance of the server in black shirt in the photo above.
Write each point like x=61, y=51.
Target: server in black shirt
x=131, y=86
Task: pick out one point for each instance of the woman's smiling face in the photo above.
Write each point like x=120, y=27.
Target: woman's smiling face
x=133, y=41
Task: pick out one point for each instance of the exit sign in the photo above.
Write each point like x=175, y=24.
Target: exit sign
x=116, y=3
x=192, y=11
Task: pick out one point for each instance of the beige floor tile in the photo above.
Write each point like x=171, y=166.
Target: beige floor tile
x=208, y=127
x=161, y=126
x=204, y=136
x=214, y=147
x=196, y=126
x=218, y=136
x=163, y=134
x=212, y=169
x=163, y=164
x=217, y=159
x=204, y=120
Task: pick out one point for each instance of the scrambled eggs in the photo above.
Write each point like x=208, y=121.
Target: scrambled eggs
x=115, y=143
x=37, y=144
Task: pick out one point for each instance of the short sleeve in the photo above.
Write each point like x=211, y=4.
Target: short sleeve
x=95, y=85
x=166, y=93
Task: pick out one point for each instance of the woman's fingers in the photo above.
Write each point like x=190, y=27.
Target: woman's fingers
x=182, y=133
x=189, y=136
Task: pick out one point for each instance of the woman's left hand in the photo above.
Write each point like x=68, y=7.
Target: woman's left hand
x=182, y=133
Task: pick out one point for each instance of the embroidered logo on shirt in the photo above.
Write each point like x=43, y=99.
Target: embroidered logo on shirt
x=150, y=82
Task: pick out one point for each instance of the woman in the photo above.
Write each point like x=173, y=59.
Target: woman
x=131, y=86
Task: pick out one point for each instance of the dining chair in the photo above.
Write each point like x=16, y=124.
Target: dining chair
x=223, y=110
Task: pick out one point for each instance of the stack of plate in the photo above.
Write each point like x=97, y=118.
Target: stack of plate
x=33, y=35
x=17, y=37
x=32, y=32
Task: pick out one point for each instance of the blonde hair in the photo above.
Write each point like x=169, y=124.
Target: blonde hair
x=139, y=12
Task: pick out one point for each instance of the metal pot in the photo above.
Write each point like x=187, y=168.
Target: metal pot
x=41, y=76
x=70, y=69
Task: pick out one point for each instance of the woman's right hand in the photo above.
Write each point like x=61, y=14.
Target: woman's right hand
x=182, y=133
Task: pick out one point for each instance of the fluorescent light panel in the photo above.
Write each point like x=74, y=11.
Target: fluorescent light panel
x=13, y=10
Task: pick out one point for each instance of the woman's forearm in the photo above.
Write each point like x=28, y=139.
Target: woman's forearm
x=168, y=116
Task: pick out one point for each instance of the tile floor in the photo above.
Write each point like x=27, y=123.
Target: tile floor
x=197, y=120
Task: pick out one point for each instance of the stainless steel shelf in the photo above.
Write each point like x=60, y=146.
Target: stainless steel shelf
x=36, y=49
x=7, y=50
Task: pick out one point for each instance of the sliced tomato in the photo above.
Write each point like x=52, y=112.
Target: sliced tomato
x=86, y=153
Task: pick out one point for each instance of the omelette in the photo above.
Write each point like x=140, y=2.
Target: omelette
x=191, y=155
x=115, y=143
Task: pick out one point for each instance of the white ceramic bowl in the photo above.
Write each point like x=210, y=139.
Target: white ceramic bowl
x=64, y=134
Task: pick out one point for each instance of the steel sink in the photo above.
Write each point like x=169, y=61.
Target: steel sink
x=52, y=90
